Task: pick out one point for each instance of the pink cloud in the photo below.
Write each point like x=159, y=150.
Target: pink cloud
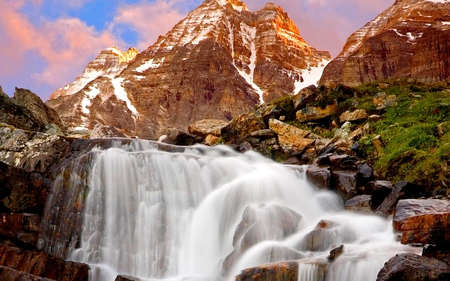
x=149, y=19
x=65, y=45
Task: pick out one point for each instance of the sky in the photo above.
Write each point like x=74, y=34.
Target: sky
x=45, y=44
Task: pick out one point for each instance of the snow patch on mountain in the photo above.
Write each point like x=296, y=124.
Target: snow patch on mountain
x=311, y=76
x=149, y=64
x=122, y=94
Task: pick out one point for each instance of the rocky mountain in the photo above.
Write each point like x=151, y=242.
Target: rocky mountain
x=411, y=39
x=219, y=62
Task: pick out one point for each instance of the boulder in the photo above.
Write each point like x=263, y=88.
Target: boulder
x=379, y=190
x=206, y=127
x=355, y=116
x=252, y=229
x=438, y=251
x=343, y=162
x=285, y=271
x=319, y=176
x=211, y=140
x=412, y=267
x=309, y=114
x=241, y=127
x=292, y=139
x=126, y=278
x=365, y=174
x=177, y=137
x=303, y=97
x=402, y=190
x=359, y=203
x=425, y=221
x=345, y=183
x=335, y=253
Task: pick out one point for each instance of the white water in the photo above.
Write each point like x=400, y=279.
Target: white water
x=159, y=215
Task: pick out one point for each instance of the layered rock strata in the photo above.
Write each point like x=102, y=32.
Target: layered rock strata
x=408, y=40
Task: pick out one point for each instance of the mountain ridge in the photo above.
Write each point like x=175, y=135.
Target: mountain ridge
x=218, y=62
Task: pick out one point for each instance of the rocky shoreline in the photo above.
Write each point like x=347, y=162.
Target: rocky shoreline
x=30, y=161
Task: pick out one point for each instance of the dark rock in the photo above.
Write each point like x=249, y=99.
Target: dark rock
x=284, y=271
x=335, y=253
x=365, y=174
x=319, y=176
x=345, y=183
x=425, y=221
x=379, y=190
x=303, y=97
x=10, y=274
x=413, y=267
x=402, y=190
x=438, y=251
x=177, y=137
x=343, y=162
x=359, y=203
x=267, y=133
x=126, y=278
x=21, y=191
x=20, y=228
x=40, y=111
x=41, y=264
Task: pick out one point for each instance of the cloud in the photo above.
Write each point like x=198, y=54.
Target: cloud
x=61, y=47
x=150, y=19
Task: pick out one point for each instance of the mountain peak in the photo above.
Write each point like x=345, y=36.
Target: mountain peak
x=235, y=4
x=124, y=57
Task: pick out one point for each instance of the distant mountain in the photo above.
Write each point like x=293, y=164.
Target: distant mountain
x=411, y=39
x=219, y=62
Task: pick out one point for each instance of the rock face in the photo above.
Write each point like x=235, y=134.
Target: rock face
x=26, y=111
x=217, y=63
x=412, y=267
x=423, y=221
x=408, y=40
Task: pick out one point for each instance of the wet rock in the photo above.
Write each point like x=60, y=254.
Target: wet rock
x=252, y=229
x=283, y=271
x=345, y=183
x=207, y=127
x=20, y=228
x=319, y=176
x=412, y=267
x=321, y=238
x=292, y=139
x=365, y=174
x=335, y=253
x=101, y=131
x=379, y=190
x=402, y=190
x=309, y=114
x=41, y=264
x=355, y=116
x=425, y=221
x=343, y=162
x=359, y=203
x=126, y=278
x=438, y=251
x=10, y=274
x=21, y=191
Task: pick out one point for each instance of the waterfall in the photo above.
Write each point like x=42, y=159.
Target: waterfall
x=199, y=213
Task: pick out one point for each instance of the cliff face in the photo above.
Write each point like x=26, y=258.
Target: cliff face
x=408, y=40
x=219, y=62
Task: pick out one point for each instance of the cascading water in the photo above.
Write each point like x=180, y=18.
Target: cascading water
x=203, y=213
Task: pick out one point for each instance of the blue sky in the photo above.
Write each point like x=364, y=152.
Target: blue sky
x=45, y=44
